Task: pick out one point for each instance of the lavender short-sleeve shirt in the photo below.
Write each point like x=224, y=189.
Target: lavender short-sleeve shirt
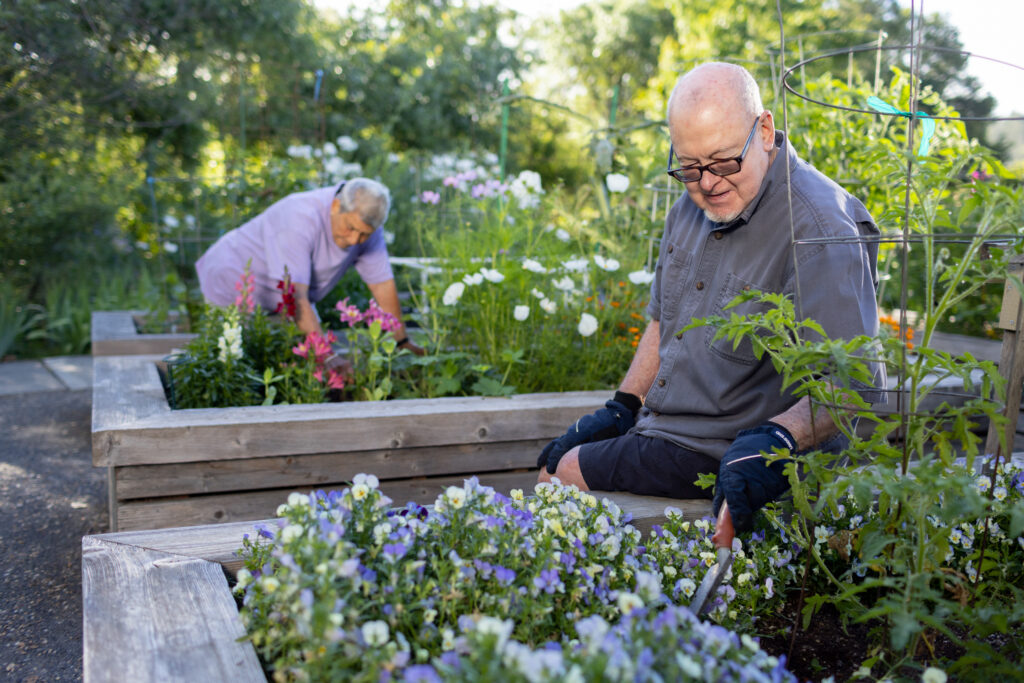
x=706, y=390
x=294, y=232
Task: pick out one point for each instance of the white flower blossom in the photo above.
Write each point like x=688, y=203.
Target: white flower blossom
x=548, y=306
x=172, y=248
x=375, y=633
x=565, y=284
x=616, y=182
x=347, y=144
x=640, y=277
x=933, y=675
x=521, y=313
x=300, y=151
x=588, y=325
x=562, y=235
x=537, y=293
x=576, y=265
x=629, y=602
x=456, y=496
x=453, y=293
x=472, y=279
x=492, y=275
x=329, y=149
x=609, y=264
x=533, y=266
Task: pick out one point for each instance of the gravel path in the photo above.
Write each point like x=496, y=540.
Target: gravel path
x=50, y=496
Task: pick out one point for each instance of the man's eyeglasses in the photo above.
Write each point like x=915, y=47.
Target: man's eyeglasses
x=722, y=167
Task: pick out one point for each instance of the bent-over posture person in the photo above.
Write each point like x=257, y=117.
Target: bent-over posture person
x=690, y=405
x=316, y=236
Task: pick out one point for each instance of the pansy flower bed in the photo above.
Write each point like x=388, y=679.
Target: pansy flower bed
x=545, y=587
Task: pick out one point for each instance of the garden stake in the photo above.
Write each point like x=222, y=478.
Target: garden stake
x=724, y=533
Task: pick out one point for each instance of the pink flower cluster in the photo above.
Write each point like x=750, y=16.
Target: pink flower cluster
x=351, y=315
x=316, y=345
x=460, y=178
x=430, y=197
x=335, y=380
x=245, y=287
x=491, y=188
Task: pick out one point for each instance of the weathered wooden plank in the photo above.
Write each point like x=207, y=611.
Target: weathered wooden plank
x=144, y=481
x=124, y=391
x=154, y=616
x=115, y=333
x=248, y=505
x=151, y=433
x=218, y=543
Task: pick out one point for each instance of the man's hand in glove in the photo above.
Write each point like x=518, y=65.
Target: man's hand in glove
x=745, y=479
x=615, y=419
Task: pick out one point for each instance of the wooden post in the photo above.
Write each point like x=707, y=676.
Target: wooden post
x=1011, y=360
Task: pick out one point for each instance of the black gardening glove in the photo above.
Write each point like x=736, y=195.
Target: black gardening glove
x=615, y=419
x=744, y=480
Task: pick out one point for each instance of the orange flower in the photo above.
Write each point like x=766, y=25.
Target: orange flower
x=634, y=330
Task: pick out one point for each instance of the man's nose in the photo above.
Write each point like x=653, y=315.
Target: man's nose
x=708, y=180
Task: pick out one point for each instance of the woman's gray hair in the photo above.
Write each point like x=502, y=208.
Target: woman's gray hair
x=368, y=198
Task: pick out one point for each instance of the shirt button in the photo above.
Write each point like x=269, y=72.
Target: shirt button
x=661, y=382
x=718, y=234
x=700, y=285
x=670, y=247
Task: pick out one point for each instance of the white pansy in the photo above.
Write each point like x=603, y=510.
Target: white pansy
x=588, y=325
x=533, y=266
x=456, y=496
x=492, y=275
x=453, y=293
x=628, y=602
x=472, y=279
x=933, y=675
x=616, y=182
x=562, y=235
x=640, y=277
x=361, y=478
x=290, y=533
x=565, y=284
x=360, y=491
x=492, y=626
x=609, y=264
x=521, y=313
x=548, y=306
x=375, y=633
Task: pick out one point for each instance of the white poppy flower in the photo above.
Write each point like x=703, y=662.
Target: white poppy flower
x=588, y=325
x=521, y=313
x=616, y=182
x=640, y=277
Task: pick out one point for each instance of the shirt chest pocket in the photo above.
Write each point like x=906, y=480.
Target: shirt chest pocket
x=723, y=346
x=673, y=281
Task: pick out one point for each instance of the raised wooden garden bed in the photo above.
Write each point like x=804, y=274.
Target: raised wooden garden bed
x=157, y=605
x=116, y=333
x=184, y=467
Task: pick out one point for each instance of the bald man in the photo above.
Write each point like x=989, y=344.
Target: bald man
x=689, y=404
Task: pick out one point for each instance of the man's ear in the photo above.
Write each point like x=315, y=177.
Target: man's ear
x=336, y=205
x=767, y=128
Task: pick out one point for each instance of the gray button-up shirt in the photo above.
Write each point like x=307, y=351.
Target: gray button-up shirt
x=705, y=392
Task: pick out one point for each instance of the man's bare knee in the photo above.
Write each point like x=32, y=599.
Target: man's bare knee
x=568, y=471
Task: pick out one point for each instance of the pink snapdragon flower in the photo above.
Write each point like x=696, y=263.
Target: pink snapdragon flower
x=316, y=345
x=245, y=287
x=335, y=379
x=349, y=314
x=388, y=322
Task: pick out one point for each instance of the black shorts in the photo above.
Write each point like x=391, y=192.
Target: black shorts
x=646, y=466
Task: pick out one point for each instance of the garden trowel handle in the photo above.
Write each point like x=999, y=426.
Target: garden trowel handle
x=724, y=531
